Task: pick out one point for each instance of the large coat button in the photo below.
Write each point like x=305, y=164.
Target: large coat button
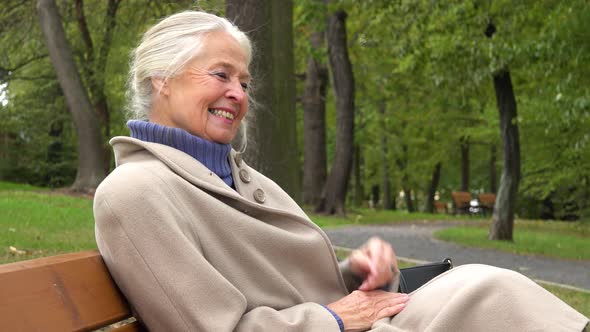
x=259, y=196
x=245, y=176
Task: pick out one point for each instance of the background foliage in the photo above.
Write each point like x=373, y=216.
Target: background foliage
x=423, y=74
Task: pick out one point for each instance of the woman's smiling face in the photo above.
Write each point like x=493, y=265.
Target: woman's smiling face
x=209, y=98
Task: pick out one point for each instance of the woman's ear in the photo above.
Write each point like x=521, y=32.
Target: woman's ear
x=160, y=85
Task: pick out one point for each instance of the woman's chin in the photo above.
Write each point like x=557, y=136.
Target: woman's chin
x=222, y=137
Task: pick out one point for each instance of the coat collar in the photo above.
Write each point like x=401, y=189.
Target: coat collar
x=251, y=188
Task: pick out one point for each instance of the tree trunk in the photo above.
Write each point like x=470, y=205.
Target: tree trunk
x=94, y=68
x=503, y=217
x=384, y=162
x=464, y=164
x=402, y=163
x=90, y=158
x=375, y=196
x=101, y=103
x=386, y=186
x=272, y=136
x=434, y=179
x=408, y=199
x=55, y=153
x=314, y=126
x=493, y=180
x=334, y=194
x=359, y=193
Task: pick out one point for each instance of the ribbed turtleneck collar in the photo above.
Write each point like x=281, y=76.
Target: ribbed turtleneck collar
x=213, y=155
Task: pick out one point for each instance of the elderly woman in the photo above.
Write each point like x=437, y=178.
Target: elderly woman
x=199, y=241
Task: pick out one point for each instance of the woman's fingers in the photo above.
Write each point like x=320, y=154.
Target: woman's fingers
x=360, y=263
x=377, y=280
x=393, y=306
x=373, y=262
x=362, y=266
x=372, y=279
x=359, y=310
x=381, y=257
x=380, y=252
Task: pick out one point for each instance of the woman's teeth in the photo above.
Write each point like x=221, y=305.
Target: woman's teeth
x=222, y=113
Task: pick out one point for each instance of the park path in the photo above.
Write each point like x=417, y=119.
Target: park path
x=416, y=241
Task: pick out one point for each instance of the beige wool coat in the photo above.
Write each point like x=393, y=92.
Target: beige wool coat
x=192, y=254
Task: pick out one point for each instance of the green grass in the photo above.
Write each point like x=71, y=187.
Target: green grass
x=19, y=186
x=35, y=224
x=553, y=239
x=364, y=216
x=38, y=222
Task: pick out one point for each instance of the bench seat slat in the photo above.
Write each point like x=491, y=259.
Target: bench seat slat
x=71, y=292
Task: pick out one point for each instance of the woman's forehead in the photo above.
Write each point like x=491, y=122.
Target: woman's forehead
x=222, y=50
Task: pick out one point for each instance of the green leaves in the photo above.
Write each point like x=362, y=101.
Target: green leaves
x=431, y=63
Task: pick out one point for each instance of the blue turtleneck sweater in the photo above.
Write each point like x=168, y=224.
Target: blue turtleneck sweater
x=214, y=156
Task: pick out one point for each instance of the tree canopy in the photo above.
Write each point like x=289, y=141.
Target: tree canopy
x=423, y=88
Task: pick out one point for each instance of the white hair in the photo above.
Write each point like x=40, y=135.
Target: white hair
x=167, y=47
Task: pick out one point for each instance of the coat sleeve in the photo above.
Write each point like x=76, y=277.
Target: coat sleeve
x=159, y=266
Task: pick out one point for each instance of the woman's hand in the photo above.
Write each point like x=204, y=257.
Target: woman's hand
x=373, y=262
x=359, y=310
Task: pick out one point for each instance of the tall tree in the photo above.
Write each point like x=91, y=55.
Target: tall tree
x=334, y=193
x=464, y=164
x=431, y=192
x=493, y=168
x=314, y=123
x=272, y=136
x=402, y=163
x=503, y=218
x=94, y=66
x=358, y=192
x=35, y=101
x=385, y=173
x=90, y=157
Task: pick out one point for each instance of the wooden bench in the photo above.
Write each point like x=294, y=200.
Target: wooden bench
x=440, y=207
x=487, y=201
x=461, y=200
x=70, y=292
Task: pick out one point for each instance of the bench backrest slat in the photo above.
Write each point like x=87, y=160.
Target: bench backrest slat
x=487, y=199
x=71, y=292
x=461, y=198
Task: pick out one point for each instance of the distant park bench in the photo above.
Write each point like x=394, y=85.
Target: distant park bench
x=461, y=200
x=440, y=207
x=70, y=292
x=486, y=202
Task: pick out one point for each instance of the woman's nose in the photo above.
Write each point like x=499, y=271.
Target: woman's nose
x=236, y=92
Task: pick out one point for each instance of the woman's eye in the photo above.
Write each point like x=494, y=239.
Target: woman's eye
x=244, y=86
x=221, y=75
